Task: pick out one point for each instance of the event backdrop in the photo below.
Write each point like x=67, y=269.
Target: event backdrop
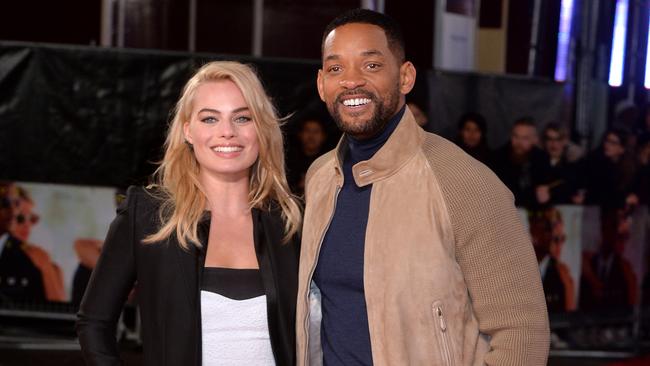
x=98, y=116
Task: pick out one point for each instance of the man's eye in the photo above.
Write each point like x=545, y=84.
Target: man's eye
x=334, y=69
x=374, y=66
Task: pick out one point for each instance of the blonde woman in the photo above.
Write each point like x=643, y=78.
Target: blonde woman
x=213, y=245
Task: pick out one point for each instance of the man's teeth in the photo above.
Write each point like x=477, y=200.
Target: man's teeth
x=356, y=102
x=227, y=149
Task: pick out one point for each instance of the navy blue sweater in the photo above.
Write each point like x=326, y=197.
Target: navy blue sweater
x=339, y=273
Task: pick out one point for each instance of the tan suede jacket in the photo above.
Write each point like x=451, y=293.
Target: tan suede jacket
x=450, y=275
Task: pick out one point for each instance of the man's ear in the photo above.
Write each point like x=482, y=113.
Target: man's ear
x=319, y=84
x=406, y=77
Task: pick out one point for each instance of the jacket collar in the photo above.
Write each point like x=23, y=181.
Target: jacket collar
x=404, y=142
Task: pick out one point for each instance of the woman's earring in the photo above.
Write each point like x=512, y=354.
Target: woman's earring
x=189, y=145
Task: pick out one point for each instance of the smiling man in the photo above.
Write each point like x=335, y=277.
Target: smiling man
x=412, y=252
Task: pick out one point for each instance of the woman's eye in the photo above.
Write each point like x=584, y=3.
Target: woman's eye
x=243, y=119
x=208, y=120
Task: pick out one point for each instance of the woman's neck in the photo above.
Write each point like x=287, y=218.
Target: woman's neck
x=226, y=197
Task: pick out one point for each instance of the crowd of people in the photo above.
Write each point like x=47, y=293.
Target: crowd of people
x=553, y=170
x=540, y=167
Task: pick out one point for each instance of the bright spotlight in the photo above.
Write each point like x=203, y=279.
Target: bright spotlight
x=618, y=44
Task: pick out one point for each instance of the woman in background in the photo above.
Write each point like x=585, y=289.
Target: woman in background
x=213, y=245
x=472, y=136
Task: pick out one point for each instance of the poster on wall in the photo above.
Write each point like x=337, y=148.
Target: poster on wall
x=613, y=261
x=50, y=238
x=590, y=260
x=557, y=236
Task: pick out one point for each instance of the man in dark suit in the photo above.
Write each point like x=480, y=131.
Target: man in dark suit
x=20, y=279
x=563, y=185
x=520, y=164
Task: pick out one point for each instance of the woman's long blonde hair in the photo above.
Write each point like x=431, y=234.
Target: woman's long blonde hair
x=177, y=177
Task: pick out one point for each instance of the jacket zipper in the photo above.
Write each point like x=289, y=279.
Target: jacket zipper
x=311, y=273
x=444, y=338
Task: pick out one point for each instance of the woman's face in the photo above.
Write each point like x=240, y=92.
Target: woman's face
x=221, y=131
x=312, y=136
x=471, y=134
x=23, y=220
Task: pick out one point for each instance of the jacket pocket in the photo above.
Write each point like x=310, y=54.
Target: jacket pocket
x=442, y=332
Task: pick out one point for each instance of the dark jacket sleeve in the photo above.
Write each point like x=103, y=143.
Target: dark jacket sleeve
x=111, y=281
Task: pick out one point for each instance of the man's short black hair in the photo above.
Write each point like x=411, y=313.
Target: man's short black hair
x=390, y=27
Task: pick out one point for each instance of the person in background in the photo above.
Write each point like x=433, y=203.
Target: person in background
x=212, y=245
x=472, y=136
x=24, y=218
x=521, y=164
x=610, y=173
x=563, y=182
x=311, y=142
x=20, y=279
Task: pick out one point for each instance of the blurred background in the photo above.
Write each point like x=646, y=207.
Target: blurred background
x=550, y=94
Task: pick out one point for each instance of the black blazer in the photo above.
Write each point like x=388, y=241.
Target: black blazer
x=168, y=284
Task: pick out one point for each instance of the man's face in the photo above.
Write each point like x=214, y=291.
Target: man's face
x=554, y=143
x=523, y=138
x=362, y=82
